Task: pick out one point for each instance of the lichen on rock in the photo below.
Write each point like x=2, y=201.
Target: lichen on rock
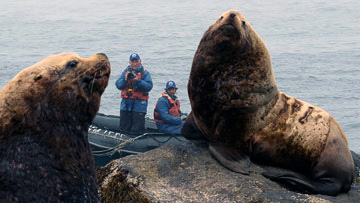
x=117, y=187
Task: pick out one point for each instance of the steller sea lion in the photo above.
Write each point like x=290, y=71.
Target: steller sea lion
x=45, y=113
x=238, y=108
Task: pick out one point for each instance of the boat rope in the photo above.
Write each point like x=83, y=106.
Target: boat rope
x=112, y=150
x=121, y=138
x=109, y=151
x=162, y=142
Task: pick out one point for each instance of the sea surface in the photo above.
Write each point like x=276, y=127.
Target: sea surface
x=315, y=45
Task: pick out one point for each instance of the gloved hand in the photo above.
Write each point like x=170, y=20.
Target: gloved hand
x=134, y=77
x=183, y=117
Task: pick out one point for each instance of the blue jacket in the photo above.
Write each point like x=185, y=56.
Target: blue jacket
x=172, y=124
x=144, y=84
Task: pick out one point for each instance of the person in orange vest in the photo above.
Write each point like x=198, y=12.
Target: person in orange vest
x=135, y=84
x=167, y=114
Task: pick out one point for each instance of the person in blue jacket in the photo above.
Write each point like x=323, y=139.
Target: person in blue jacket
x=135, y=84
x=167, y=114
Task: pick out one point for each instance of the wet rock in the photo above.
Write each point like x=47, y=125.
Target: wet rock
x=187, y=173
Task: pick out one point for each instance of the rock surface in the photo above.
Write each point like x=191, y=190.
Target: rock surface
x=187, y=173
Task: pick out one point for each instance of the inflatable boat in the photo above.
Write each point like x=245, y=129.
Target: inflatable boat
x=108, y=143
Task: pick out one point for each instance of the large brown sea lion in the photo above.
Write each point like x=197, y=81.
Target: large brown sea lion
x=45, y=113
x=238, y=108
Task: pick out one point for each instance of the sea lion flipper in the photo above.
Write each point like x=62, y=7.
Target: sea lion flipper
x=304, y=184
x=301, y=184
x=190, y=130
x=231, y=158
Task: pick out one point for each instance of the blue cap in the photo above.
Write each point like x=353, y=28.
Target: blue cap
x=170, y=84
x=134, y=56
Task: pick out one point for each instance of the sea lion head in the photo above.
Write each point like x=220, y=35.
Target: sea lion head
x=229, y=32
x=58, y=88
x=231, y=72
x=80, y=83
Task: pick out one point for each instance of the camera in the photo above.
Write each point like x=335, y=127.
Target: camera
x=131, y=75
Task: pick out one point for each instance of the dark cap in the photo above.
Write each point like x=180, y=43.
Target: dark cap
x=134, y=56
x=170, y=84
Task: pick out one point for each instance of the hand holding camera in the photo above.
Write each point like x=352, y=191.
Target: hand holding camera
x=130, y=75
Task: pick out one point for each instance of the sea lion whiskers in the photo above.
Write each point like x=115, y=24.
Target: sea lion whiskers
x=61, y=74
x=92, y=83
x=98, y=68
x=82, y=74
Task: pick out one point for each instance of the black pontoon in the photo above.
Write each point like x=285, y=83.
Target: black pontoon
x=108, y=143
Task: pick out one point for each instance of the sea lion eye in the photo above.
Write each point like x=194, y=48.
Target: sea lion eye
x=221, y=17
x=38, y=77
x=72, y=64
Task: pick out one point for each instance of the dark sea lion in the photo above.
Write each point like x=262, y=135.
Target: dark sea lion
x=238, y=108
x=45, y=113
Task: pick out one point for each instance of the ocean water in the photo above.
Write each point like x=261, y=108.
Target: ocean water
x=315, y=45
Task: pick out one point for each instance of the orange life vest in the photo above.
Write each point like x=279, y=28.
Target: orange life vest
x=173, y=111
x=130, y=90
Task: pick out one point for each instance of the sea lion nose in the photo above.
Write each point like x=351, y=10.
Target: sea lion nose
x=102, y=54
x=232, y=15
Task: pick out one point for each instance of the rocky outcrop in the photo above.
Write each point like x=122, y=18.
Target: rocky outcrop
x=187, y=173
